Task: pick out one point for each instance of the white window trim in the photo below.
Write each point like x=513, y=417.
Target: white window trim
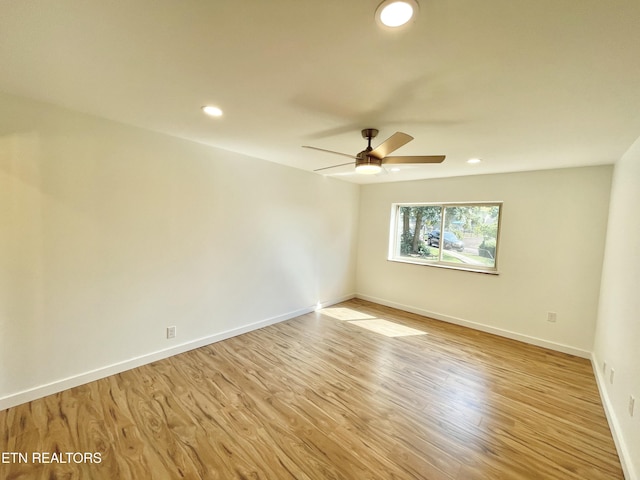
x=394, y=237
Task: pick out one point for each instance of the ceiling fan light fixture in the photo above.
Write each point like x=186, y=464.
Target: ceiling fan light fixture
x=368, y=169
x=395, y=13
x=368, y=165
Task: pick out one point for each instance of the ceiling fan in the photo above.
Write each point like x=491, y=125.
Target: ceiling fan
x=370, y=160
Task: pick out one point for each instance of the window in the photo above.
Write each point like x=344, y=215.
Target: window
x=453, y=235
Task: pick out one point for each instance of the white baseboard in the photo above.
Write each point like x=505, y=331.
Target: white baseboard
x=614, y=425
x=56, y=386
x=559, y=347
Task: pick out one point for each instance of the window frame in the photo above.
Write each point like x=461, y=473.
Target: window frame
x=395, y=234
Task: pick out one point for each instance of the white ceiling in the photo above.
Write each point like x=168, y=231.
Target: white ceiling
x=522, y=84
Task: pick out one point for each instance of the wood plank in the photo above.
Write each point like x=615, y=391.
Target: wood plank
x=317, y=397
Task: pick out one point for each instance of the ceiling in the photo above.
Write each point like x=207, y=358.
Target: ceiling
x=524, y=85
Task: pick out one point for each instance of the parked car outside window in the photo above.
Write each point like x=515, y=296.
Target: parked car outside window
x=451, y=242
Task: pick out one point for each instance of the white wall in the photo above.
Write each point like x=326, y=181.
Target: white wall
x=109, y=234
x=550, y=258
x=617, y=339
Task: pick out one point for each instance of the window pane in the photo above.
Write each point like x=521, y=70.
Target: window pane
x=455, y=235
x=413, y=228
x=471, y=235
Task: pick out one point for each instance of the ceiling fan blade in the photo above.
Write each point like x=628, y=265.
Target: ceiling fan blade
x=333, y=166
x=413, y=159
x=391, y=144
x=330, y=151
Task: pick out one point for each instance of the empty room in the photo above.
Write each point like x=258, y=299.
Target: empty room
x=319, y=240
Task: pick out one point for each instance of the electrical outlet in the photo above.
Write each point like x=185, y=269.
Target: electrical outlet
x=171, y=332
x=611, y=376
x=552, y=317
x=632, y=402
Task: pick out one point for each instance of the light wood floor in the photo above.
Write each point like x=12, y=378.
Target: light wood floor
x=318, y=397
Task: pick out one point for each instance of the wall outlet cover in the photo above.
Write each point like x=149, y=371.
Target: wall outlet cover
x=171, y=332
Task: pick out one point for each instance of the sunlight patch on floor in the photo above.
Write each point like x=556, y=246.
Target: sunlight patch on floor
x=345, y=314
x=383, y=327
x=387, y=328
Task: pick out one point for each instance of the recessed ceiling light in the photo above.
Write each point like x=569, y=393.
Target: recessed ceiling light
x=395, y=13
x=474, y=160
x=394, y=169
x=212, y=111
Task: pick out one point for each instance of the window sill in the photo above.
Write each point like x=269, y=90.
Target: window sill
x=443, y=265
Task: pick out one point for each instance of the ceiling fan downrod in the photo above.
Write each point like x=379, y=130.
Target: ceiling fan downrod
x=366, y=163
